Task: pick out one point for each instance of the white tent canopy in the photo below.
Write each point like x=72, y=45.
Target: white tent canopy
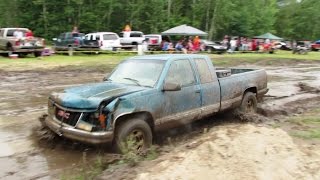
x=184, y=30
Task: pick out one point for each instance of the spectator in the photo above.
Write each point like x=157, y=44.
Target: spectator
x=165, y=46
x=18, y=34
x=29, y=34
x=196, y=44
x=233, y=45
x=179, y=46
x=75, y=29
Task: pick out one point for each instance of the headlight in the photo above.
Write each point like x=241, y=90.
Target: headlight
x=84, y=126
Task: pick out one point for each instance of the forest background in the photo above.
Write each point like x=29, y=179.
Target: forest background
x=290, y=19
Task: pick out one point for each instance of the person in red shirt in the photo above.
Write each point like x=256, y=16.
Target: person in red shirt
x=29, y=34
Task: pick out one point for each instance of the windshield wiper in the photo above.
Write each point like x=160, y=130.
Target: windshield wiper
x=133, y=80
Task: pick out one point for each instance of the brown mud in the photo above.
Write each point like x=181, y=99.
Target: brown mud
x=293, y=90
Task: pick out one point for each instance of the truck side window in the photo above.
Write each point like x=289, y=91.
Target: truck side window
x=135, y=35
x=181, y=72
x=204, y=72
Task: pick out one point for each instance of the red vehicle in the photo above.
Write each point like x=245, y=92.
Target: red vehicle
x=315, y=46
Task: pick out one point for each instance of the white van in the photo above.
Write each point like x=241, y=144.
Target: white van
x=107, y=40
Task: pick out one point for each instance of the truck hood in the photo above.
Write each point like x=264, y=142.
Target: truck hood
x=90, y=96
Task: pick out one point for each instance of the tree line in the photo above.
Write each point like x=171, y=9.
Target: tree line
x=291, y=19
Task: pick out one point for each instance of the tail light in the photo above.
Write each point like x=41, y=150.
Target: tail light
x=76, y=42
x=17, y=43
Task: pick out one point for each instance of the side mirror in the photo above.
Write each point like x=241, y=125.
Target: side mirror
x=171, y=86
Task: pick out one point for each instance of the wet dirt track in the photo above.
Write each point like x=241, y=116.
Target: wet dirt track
x=24, y=98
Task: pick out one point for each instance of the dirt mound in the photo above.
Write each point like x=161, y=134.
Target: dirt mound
x=233, y=152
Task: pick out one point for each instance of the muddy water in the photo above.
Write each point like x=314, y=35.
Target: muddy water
x=24, y=98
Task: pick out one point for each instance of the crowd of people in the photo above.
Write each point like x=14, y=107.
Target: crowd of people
x=232, y=44
x=191, y=44
x=246, y=44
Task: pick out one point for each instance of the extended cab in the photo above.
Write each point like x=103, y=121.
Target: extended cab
x=23, y=45
x=147, y=94
x=76, y=41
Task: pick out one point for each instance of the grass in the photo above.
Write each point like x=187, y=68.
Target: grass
x=87, y=170
x=55, y=61
x=82, y=60
x=310, y=122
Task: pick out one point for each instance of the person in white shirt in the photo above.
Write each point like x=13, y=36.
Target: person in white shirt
x=18, y=34
x=233, y=45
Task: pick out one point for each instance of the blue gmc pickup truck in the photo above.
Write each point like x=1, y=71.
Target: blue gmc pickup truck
x=147, y=94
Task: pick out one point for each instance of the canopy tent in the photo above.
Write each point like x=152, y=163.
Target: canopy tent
x=184, y=30
x=268, y=36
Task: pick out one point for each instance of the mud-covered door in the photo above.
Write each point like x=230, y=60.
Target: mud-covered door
x=210, y=88
x=183, y=105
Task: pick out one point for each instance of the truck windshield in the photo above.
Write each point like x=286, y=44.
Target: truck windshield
x=138, y=72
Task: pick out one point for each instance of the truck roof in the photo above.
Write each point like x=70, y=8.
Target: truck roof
x=166, y=57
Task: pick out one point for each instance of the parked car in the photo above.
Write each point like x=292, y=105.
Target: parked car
x=300, y=48
x=76, y=41
x=315, y=46
x=22, y=45
x=131, y=37
x=282, y=46
x=107, y=40
x=154, y=41
x=146, y=94
x=213, y=47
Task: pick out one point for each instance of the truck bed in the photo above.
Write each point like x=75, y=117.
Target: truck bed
x=234, y=81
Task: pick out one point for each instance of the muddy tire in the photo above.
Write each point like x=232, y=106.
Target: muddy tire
x=249, y=103
x=133, y=135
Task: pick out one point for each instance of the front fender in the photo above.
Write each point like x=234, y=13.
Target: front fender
x=117, y=108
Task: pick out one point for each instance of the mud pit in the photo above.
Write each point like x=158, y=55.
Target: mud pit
x=24, y=97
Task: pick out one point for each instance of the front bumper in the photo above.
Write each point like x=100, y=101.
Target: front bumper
x=77, y=134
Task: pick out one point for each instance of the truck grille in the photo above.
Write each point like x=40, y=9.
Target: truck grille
x=67, y=117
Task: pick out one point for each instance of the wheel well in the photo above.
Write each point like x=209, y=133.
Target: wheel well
x=134, y=43
x=251, y=89
x=9, y=45
x=146, y=116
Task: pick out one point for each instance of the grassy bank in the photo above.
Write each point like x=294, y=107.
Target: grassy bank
x=110, y=60
x=309, y=125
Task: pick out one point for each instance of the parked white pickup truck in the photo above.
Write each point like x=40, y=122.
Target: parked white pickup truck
x=131, y=37
x=14, y=40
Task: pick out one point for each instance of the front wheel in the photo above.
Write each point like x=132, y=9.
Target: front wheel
x=133, y=135
x=249, y=103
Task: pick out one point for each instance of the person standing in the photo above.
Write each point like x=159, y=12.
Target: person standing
x=233, y=45
x=196, y=43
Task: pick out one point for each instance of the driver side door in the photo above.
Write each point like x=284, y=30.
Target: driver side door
x=181, y=106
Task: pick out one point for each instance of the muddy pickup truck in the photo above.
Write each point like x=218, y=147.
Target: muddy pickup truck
x=147, y=94
x=22, y=45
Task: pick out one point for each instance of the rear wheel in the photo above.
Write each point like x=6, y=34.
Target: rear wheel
x=249, y=103
x=133, y=135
